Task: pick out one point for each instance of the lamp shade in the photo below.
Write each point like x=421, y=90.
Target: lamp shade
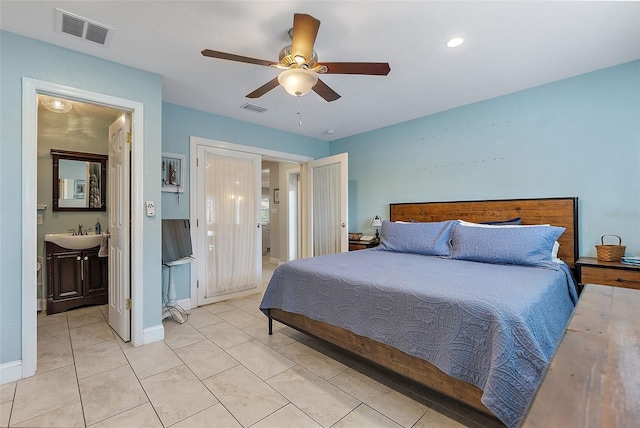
x=376, y=223
x=297, y=81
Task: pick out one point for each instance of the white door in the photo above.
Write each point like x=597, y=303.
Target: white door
x=326, y=205
x=118, y=207
x=228, y=226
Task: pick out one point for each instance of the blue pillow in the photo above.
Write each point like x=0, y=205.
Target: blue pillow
x=429, y=239
x=524, y=245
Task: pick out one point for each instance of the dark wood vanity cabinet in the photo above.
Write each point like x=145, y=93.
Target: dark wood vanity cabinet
x=75, y=278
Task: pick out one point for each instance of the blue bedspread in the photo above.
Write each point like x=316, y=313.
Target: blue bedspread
x=494, y=326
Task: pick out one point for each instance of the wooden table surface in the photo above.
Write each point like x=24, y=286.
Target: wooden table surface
x=594, y=377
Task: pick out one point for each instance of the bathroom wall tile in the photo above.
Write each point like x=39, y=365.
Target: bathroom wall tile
x=142, y=416
x=151, y=359
x=70, y=416
x=98, y=358
x=319, y=399
x=243, y=394
x=214, y=416
x=205, y=359
x=54, y=389
x=177, y=394
x=110, y=393
x=260, y=359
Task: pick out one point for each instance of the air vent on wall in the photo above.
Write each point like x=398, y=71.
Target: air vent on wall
x=253, y=107
x=77, y=26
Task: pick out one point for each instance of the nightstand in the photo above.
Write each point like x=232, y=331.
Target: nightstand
x=592, y=271
x=361, y=245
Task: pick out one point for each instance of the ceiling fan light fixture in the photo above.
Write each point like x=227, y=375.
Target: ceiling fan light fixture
x=56, y=105
x=297, y=81
x=455, y=42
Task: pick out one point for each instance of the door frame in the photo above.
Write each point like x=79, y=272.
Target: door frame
x=30, y=90
x=194, y=142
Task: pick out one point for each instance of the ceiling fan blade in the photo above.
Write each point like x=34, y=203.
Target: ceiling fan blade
x=325, y=92
x=370, y=68
x=264, y=88
x=234, y=57
x=305, y=30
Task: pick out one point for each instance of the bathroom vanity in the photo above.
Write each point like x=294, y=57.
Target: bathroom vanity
x=75, y=277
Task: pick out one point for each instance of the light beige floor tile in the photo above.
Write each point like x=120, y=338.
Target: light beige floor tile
x=260, y=359
x=200, y=317
x=43, y=393
x=225, y=335
x=205, y=359
x=243, y=394
x=433, y=419
x=179, y=335
x=239, y=318
x=319, y=399
x=44, y=319
x=5, y=413
x=53, y=332
x=214, y=416
x=105, y=311
x=90, y=334
x=98, y=358
x=7, y=391
x=385, y=400
x=84, y=316
x=216, y=308
x=365, y=416
x=249, y=306
x=177, y=394
x=312, y=360
x=109, y=393
x=280, y=337
x=69, y=416
x=287, y=417
x=151, y=359
x=54, y=355
x=142, y=416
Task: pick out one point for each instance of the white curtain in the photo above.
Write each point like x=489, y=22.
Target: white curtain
x=326, y=209
x=231, y=224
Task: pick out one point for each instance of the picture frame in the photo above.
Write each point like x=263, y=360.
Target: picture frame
x=276, y=196
x=173, y=172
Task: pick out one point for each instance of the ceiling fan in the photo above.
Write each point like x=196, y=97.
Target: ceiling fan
x=300, y=65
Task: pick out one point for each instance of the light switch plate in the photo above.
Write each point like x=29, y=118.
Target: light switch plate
x=151, y=208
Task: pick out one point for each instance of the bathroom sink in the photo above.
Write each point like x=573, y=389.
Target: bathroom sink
x=73, y=242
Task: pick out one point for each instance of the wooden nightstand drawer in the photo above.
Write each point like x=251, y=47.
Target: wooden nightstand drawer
x=613, y=277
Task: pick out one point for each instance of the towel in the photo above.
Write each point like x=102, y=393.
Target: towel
x=104, y=245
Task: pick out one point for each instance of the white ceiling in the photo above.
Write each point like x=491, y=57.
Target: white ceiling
x=509, y=46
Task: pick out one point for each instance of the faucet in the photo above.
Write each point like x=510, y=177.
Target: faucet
x=77, y=232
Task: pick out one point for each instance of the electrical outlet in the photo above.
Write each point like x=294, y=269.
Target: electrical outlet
x=151, y=208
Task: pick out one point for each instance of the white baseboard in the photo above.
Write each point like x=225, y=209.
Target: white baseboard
x=185, y=304
x=10, y=372
x=153, y=334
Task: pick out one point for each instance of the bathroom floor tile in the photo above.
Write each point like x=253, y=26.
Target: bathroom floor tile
x=280, y=337
x=84, y=316
x=260, y=359
x=68, y=416
x=5, y=413
x=239, y=318
x=225, y=335
x=200, y=317
x=151, y=359
x=7, y=392
x=365, y=416
x=179, y=335
x=214, y=416
x=141, y=416
x=110, y=393
x=205, y=359
x=312, y=360
x=287, y=417
x=53, y=332
x=98, y=358
x=177, y=394
x=54, y=355
x=90, y=334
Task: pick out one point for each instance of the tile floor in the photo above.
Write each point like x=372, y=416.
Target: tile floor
x=218, y=369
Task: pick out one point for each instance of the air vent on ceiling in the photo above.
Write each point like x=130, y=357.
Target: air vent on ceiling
x=77, y=26
x=253, y=107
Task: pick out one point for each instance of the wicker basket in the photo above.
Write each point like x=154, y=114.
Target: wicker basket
x=610, y=253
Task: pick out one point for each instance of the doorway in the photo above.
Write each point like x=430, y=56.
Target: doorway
x=31, y=88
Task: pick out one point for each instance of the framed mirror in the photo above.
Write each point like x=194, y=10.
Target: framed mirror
x=79, y=181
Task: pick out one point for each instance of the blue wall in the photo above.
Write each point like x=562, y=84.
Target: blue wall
x=575, y=137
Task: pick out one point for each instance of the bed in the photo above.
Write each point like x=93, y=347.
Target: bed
x=481, y=331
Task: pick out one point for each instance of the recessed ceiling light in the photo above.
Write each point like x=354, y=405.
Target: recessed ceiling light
x=455, y=42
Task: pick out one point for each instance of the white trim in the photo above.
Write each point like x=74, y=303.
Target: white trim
x=185, y=304
x=153, y=334
x=194, y=142
x=10, y=372
x=30, y=90
x=274, y=261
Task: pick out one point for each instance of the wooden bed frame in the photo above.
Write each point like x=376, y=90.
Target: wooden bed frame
x=555, y=211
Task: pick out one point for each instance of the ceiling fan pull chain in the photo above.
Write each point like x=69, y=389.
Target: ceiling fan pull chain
x=299, y=118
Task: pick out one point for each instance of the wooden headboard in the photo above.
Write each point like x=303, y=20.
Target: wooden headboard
x=555, y=211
